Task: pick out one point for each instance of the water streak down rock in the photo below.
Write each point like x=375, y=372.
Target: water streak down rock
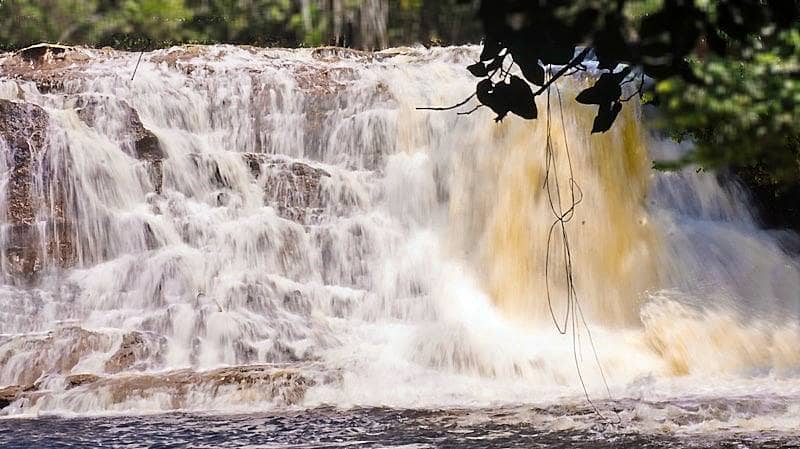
x=23, y=131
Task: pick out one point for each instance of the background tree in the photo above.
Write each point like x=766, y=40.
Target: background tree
x=724, y=73
x=129, y=24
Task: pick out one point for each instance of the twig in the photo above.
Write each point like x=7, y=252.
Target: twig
x=576, y=60
x=448, y=108
x=471, y=110
x=137, y=64
x=637, y=91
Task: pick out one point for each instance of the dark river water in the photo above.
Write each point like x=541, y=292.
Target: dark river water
x=368, y=428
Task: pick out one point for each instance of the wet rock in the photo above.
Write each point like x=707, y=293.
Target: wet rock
x=287, y=385
x=120, y=122
x=56, y=352
x=76, y=380
x=9, y=395
x=126, y=128
x=48, y=65
x=41, y=53
x=133, y=349
x=293, y=188
x=254, y=162
x=258, y=382
x=22, y=258
x=211, y=168
x=23, y=129
x=181, y=57
x=339, y=53
x=155, y=171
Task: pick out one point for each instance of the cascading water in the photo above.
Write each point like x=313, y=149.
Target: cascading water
x=243, y=229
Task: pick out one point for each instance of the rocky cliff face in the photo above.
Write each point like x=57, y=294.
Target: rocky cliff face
x=271, y=173
x=27, y=245
x=40, y=232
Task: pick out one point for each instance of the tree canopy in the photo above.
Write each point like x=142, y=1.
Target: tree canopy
x=133, y=24
x=724, y=73
x=657, y=43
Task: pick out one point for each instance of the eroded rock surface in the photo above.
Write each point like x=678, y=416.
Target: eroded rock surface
x=23, y=128
x=295, y=190
x=119, y=121
x=10, y=394
x=76, y=380
x=24, y=360
x=239, y=166
x=133, y=349
x=48, y=65
x=23, y=132
x=273, y=383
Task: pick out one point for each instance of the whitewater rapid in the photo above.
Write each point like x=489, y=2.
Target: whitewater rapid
x=304, y=218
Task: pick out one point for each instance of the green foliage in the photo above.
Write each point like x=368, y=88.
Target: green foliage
x=433, y=22
x=744, y=113
x=130, y=23
x=654, y=37
x=95, y=22
x=137, y=24
x=25, y=22
x=727, y=73
x=257, y=22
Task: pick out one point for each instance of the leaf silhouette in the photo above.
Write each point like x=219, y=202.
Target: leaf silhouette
x=478, y=69
x=515, y=96
x=495, y=64
x=532, y=70
x=495, y=98
x=604, y=91
x=523, y=103
x=491, y=48
x=609, y=44
x=606, y=115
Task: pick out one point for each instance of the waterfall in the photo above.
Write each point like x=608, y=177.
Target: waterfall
x=242, y=229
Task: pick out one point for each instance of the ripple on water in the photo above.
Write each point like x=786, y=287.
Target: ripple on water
x=665, y=425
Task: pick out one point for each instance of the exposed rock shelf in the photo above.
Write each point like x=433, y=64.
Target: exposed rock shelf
x=254, y=384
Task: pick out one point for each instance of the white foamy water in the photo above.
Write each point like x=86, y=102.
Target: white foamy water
x=311, y=219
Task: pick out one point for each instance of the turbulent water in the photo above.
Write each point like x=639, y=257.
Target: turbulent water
x=303, y=237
